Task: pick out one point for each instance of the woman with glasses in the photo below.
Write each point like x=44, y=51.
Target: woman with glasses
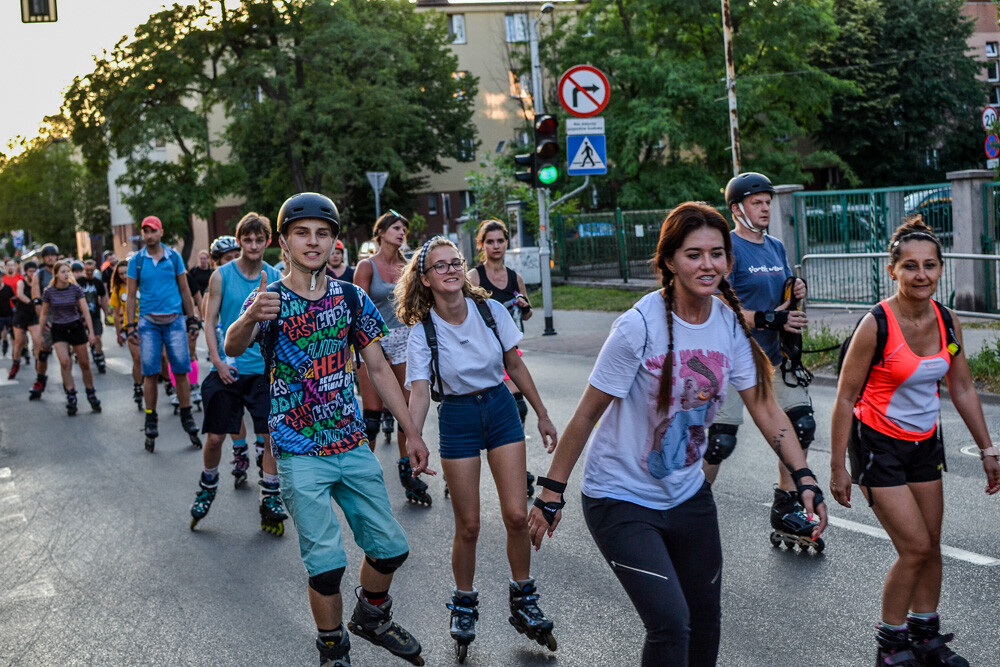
x=475, y=338
x=377, y=275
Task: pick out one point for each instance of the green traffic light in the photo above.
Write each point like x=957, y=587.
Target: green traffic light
x=548, y=174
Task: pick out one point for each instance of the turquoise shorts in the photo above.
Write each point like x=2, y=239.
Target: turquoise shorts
x=354, y=481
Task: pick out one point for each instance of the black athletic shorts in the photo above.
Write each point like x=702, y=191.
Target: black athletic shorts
x=74, y=333
x=6, y=322
x=224, y=403
x=22, y=320
x=880, y=460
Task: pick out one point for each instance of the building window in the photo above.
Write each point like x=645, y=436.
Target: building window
x=432, y=205
x=467, y=150
x=992, y=49
x=517, y=27
x=993, y=71
x=995, y=96
x=460, y=79
x=456, y=28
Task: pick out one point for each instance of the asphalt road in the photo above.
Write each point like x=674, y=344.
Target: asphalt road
x=98, y=566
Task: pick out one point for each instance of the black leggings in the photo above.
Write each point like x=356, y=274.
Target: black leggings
x=670, y=564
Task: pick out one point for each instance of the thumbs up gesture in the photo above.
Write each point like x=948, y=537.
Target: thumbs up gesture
x=266, y=305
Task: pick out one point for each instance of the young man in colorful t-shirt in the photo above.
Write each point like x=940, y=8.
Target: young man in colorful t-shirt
x=306, y=325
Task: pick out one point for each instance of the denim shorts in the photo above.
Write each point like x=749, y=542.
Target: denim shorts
x=154, y=337
x=473, y=422
x=354, y=481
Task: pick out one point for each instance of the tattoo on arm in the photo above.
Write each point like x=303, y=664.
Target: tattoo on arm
x=776, y=442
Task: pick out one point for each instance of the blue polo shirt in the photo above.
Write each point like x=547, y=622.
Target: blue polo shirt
x=158, y=281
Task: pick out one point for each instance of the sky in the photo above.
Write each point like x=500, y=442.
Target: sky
x=41, y=59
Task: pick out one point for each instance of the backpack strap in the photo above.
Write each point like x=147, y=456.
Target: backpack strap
x=437, y=388
x=951, y=339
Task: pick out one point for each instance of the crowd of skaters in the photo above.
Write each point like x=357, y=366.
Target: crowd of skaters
x=294, y=346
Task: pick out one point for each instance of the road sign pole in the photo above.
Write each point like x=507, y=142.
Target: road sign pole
x=543, y=212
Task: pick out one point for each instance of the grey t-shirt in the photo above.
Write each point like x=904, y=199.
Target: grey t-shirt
x=758, y=278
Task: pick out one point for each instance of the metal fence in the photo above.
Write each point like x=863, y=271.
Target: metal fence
x=844, y=231
x=615, y=245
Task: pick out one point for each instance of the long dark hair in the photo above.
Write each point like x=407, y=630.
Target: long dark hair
x=385, y=221
x=682, y=220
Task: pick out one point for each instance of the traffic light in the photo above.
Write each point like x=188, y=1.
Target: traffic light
x=546, y=167
x=526, y=160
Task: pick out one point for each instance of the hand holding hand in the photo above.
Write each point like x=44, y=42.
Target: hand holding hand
x=538, y=525
x=419, y=456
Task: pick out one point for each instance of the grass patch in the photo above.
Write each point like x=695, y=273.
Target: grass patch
x=985, y=367
x=817, y=337
x=578, y=297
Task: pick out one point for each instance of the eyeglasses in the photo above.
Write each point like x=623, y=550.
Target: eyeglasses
x=441, y=268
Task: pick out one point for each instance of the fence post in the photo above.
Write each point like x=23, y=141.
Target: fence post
x=620, y=238
x=969, y=224
x=782, y=225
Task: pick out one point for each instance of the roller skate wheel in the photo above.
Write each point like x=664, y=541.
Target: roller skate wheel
x=775, y=540
x=240, y=481
x=277, y=530
x=461, y=651
x=150, y=444
x=195, y=441
x=819, y=544
x=548, y=641
x=194, y=522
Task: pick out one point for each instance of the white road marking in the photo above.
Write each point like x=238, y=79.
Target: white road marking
x=18, y=517
x=5, y=472
x=32, y=590
x=120, y=365
x=951, y=552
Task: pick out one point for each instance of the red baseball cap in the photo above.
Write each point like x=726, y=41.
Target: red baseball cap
x=151, y=221
x=339, y=245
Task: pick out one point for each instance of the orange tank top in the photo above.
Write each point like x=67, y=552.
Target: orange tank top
x=901, y=398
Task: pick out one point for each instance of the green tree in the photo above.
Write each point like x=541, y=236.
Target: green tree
x=914, y=112
x=667, y=121
x=320, y=92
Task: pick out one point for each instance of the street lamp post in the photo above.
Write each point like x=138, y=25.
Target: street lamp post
x=543, y=193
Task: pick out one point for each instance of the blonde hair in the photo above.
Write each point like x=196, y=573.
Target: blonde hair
x=413, y=298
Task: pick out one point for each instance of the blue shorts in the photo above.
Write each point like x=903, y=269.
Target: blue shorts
x=471, y=423
x=352, y=479
x=154, y=337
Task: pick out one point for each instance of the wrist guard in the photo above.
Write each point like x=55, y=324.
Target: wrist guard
x=193, y=323
x=774, y=320
x=36, y=301
x=549, y=509
x=129, y=328
x=797, y=476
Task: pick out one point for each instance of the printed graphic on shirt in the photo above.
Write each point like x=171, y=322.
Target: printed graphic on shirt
x=313, y=407
x=679, y=440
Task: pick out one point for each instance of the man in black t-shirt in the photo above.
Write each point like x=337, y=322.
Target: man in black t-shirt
x=96, y=296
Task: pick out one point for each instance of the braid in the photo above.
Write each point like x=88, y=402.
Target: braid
x=667, y=375
x=763, y=364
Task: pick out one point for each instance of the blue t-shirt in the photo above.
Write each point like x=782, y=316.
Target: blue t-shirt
x=235, y=289
x=313, y=407
x=158, y=281
x=758, y=278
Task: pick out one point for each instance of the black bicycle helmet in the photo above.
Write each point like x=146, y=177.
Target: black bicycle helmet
x=77, y=265
x=50, y=249
x=222, y=245
x=308, y=205
x=746, y=184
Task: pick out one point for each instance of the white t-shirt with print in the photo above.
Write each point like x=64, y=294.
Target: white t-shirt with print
x=468, y=353
x=637, y=454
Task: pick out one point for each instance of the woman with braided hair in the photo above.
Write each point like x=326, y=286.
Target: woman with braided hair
x=661, y=376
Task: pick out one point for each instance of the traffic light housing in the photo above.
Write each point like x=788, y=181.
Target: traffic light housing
x=547, y=153
x=527, y=161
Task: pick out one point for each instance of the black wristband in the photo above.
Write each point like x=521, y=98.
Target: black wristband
x=551, y=485
x=817, y=493
x=193, y=322
x=36, y=301
x=774, y=320
x=549, y=509
x=797, y=475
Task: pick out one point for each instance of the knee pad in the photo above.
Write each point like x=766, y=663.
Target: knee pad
x=327, y=583
x=802, y=420
x=522, y=406
x=373, y=423
x=43, y=355
x=721, y=442
x=387, y=565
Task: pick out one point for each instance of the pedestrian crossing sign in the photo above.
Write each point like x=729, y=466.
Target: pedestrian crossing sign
x=588, y=155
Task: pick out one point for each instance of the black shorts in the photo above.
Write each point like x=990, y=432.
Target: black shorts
x=95, y=319
x=880, y=460
x=23, y=320
x=74, y=333
x=224, y=403
x=6, y=322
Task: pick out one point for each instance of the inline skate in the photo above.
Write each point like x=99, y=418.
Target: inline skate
x=35, y=393
x=374, y=623
x=388, y=425
x=203, y=500
x=70, y=401
x=415, y=488
x=95, y=404
x=137, y=395
x=929, y=645
x=531, y=485
x=196, y=395
x=151, y=429
x=464, y=614
x=187, y=423
x=526, y=617
x=790, y=523
x=272, y=511
x=15, y=366
x=334, y=648
x=99, y=360
x=241, y=462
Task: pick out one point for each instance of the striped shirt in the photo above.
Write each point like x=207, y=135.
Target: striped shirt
x=62, y=303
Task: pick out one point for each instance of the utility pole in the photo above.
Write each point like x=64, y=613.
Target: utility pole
x=734, y=121
x=543, y=193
